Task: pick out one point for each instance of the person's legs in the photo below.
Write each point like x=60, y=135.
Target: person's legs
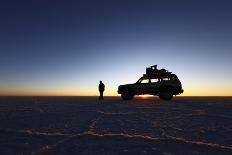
x=101, y=95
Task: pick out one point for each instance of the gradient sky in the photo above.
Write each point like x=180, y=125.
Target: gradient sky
x=65, y=47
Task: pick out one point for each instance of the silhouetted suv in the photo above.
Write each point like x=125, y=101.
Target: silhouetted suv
x=154, y=82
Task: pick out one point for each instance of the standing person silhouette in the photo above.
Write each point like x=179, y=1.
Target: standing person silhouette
x=101, y=88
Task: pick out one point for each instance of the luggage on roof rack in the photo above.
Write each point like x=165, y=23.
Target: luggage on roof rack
x=154, y=72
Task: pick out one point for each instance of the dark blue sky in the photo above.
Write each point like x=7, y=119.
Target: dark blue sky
x=66, y=47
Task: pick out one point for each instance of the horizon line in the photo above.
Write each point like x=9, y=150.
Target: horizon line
x=104, y=96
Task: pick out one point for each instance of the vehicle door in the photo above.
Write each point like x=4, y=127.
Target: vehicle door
x=143, y=86
x=154, y=86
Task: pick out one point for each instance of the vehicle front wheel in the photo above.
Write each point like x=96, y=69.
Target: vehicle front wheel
x=166, y=95
x=127, y=95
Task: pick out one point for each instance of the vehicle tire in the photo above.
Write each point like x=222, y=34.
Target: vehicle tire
x=126, y=95
x=166, y=95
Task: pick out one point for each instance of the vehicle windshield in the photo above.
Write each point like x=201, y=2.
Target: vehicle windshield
x=140, y=80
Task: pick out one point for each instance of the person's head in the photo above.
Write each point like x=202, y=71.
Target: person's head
x=100, y=81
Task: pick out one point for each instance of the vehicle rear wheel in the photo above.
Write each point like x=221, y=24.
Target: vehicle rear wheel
x=127, y=95
x=166, y=95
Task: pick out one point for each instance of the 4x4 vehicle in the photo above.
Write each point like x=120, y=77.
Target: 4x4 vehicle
x=158, y=82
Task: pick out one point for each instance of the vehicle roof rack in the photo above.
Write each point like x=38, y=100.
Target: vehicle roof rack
x=155, y=73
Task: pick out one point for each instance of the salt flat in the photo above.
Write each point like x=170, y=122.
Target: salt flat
x=85, y=125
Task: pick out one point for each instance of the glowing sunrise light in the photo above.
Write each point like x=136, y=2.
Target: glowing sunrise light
x=145, y=96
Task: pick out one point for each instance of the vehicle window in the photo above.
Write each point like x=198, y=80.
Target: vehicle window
x=165, y=79
x=173, y=78
x=145, y=81
x=154, y=80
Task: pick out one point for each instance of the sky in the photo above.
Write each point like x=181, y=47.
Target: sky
x=54, y=47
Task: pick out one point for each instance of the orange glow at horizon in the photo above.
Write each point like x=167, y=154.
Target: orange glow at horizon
x=188, y=91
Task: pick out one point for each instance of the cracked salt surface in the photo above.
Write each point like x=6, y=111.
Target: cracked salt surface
x=143, y=126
